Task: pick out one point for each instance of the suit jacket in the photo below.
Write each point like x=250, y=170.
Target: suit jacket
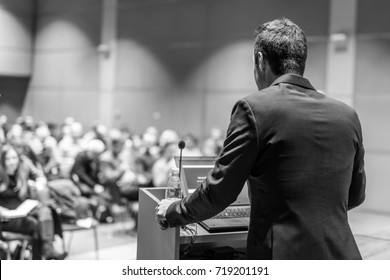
x=302, y=154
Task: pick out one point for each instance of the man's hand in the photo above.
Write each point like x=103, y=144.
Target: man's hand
x=161, y=211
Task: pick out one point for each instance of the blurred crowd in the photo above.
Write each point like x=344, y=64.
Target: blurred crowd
x=81, y=174
x=103, y=168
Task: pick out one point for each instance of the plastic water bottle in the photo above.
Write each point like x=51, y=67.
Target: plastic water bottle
x=173, y=190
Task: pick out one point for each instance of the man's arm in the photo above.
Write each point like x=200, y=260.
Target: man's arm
x=225, y=181
x=357, y=190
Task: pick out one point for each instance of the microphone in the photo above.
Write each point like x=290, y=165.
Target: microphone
x=181, y=146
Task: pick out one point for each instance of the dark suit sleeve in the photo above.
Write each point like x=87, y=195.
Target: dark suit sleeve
x=225, y=181
x=357, y=190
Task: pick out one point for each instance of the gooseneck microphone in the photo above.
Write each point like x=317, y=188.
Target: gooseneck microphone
x=181, y=146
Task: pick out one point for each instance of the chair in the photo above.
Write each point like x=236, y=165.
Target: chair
x=72, y=227
x=125, y=212
x=25, y=240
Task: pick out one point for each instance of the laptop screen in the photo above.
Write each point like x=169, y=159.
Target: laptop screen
x=195, y=175
x=194, y=172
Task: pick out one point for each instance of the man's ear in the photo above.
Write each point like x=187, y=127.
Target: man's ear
x=260, y=60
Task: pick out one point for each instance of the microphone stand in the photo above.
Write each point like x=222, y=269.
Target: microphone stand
x=181, y=150
x=181, y=146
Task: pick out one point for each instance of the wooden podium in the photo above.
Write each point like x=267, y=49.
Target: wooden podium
x=156, y=244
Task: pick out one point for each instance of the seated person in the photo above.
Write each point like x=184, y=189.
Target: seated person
x=17, y=175
x=212, y=146
x=49, y=157
x=192, y=146
x=85, y=174
x=22, y=144
x=162, y=167
x=121, y=172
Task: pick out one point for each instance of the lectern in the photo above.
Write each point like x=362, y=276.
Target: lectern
x=156, y=244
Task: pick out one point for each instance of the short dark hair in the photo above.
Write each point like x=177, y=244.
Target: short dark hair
x=283, y=45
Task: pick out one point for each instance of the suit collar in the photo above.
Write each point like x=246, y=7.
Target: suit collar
x=293, y=79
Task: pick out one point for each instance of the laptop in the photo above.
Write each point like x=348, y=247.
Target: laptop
x=235, y=217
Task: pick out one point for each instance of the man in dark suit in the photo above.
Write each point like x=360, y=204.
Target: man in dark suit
x=301, y=152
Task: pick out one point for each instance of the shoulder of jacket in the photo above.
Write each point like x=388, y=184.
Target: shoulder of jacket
x=343, y=106
x=259, y=99
x=267, y=93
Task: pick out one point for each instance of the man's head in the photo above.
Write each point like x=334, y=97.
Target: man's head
x=117, y=141
x=280, y=48
x=95, y=148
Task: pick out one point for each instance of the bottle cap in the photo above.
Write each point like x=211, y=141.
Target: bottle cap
x=175, y=170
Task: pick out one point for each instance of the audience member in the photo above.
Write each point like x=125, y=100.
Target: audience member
x=115, y=165
x=3, y=129
x=162, y=167
x=212, y=146
x=22, y=145
x=17, y=176
x=50, y=159
x=85, y=174
x=124, y=173
x=192, y=146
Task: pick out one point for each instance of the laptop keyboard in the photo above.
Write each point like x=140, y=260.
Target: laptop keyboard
x=234, y=212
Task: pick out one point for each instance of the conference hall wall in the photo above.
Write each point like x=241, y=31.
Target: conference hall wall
x=65, y=75
x=16, y=44
x=372, y=97
x=183, y=64
x=180, y=64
